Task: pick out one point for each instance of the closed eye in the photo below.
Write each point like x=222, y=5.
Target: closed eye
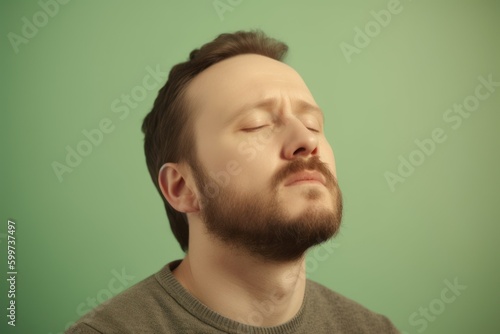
x=314, y=130
x=312, y=124
x=255, y=128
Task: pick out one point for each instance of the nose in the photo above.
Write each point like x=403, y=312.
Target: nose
x=299, y=141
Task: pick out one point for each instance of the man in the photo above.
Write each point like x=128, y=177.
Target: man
x=235, y=145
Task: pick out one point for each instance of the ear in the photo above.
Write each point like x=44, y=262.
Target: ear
x=175, y=189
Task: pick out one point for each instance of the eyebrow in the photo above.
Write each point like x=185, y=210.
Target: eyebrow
x=270, y=103
x=303, y=106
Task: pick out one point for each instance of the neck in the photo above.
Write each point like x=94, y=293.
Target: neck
x=240, y=286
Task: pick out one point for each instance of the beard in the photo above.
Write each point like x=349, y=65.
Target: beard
x=258, y=224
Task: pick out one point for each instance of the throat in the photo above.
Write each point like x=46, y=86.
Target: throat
x=262, y=296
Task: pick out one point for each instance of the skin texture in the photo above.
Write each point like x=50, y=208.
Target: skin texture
x=247, y=158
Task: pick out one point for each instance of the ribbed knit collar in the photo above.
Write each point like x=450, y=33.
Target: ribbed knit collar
x=212, y=318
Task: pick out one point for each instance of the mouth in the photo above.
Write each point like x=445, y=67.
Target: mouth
x=305, y=177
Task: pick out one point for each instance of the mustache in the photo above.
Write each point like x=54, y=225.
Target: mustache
x=300, y=165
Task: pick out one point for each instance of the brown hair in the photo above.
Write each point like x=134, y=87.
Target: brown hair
x=168, y=128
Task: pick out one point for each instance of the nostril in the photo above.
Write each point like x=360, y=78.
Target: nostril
x=299, y=150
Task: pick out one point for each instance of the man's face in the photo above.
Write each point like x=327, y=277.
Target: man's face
x=265, y=172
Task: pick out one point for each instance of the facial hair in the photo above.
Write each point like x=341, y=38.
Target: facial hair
x=258, y=223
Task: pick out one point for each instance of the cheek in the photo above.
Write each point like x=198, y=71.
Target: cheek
x=256, y=157
x=214, y=148
x=230, y=162
x=216, y=158
x=218, y=161
x=328, y=156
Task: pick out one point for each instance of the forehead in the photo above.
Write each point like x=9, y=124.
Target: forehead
x=241, y=80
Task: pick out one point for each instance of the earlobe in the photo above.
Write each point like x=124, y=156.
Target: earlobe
x=175, y=189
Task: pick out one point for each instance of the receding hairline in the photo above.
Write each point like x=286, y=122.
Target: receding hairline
x=191, y=97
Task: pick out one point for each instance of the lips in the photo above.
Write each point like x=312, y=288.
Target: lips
x=305, y=177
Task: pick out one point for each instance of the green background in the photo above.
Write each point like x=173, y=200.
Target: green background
x=396, y=248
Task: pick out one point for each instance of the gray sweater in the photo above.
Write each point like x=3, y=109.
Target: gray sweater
x=160, y=304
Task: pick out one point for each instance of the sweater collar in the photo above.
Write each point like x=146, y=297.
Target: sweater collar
x=192, y=305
